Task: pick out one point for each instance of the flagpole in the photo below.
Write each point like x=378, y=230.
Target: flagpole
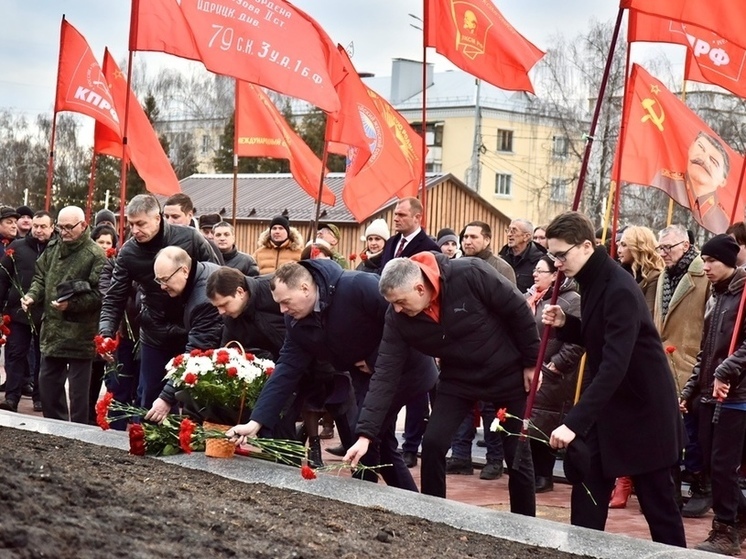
x=324, y=158
x=91, y=186
x=123, y=178
x=235, y=159
x=423, y=194
x=596, y=114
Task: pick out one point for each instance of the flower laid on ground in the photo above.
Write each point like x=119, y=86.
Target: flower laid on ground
x=307, y=472
x=502, y=415
x=224, y=378
x=4, y=329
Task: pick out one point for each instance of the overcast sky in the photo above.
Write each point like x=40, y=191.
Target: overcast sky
x=380, y=30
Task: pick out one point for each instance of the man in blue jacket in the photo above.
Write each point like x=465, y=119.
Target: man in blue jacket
x=337, y=316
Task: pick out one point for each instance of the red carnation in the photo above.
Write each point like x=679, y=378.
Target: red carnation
x=111, y=252
x=178, y=360
x=185, y=434
x=307, y=472
x=10, y=252
x=269, y=371
x=195, y=353
x=363, y=256
x=6, y=319
x=137, y=439
x=249, y=357
x=102, y=410
x=208, y=353
x=190, y=379
x=353, y=257
x=231, y=372
x=222, y=357
x=502, y=415
x=670, y=349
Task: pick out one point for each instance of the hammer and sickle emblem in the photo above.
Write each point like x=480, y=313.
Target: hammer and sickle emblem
x=657, y=119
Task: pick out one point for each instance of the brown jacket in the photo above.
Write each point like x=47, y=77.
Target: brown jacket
x=269, y=257
x=682, y=327
x=649, y=288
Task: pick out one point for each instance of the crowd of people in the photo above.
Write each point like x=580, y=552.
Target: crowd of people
x=641, y=384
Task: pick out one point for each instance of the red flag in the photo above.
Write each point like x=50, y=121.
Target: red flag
x=273, y=44
x=81, y=86
x=144, y=149
x=667, y=146
x=724, y=17
x=476, y=37
x=715, y=60
x=261, y=131
x=383, y=159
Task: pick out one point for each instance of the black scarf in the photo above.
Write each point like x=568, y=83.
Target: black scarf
x=673, y=275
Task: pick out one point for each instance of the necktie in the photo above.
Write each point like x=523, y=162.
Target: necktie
x=401, y=247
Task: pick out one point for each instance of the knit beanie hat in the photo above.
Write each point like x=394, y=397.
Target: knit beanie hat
x=445, y=235
x=25, y=210
x=280, y=220
x=378, y=227
x=723, y=248
x=104, y=215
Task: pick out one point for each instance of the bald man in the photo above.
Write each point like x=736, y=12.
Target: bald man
x=185, y=281
x=65, y=285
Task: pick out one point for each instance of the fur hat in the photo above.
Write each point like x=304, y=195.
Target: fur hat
x=377, y=227
x=104, y=215
x=723, y=248
x=206, y=221
x=25, y=210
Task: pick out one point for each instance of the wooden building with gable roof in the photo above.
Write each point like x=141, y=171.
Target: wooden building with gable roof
x=450, y=203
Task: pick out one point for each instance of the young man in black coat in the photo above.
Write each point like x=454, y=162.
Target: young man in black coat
x=628, y=413
x=337, y=316
x=472, y=318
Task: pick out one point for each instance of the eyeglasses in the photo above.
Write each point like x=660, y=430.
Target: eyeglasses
x=69, y=228
x=667, y=248
x=561, y=256
x=514, y=231
x=537, y=271
x=165, y=281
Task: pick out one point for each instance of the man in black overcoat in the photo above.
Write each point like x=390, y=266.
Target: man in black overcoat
x=627, y=416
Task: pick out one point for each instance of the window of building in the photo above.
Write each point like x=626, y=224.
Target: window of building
x=433, y=167
x=503, y=184
x=558, y=191
x=433, y=133
x=504, y=140
x=205, y=144
x=560, y=146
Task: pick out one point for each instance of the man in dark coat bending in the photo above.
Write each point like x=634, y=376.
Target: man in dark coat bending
x=628, y=414
x=471, y=317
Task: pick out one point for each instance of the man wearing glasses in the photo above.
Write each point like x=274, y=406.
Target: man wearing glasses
x=65, y=285
x=627, y=420
x=679, y=313
x=521, y=252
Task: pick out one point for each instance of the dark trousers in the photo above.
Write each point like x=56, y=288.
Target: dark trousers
x=418, y=409
x=98, y=370
x=722, y=446
x=123, y=382
x=544, y=459
x=152, y=370
x=655, y=491
x=461, y=444
x=54, y=372
x=21, y=347
x=447, y=415
x=693, y=459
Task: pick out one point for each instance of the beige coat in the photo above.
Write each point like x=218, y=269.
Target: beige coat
x=270, y=257
x=684, y=322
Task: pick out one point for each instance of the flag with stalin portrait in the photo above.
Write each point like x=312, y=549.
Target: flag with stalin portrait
x=667, y=146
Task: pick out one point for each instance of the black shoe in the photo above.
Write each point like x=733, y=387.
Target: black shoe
x=314, y=453
x=544, y=484
x=492, y=470
x=9, y=405
x=410, y=459
x=27, y=390
x=336, y=450
x=459, y=466
x=700, y=501
x=481, y=443
x=37, y=406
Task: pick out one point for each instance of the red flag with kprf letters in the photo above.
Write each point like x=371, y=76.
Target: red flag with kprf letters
x=261, y=131
x=475, y=36
x=81, y=86
x=272, y=44
x=667, y=146
x=724, y=17
x=710, y=58
x=144, y=150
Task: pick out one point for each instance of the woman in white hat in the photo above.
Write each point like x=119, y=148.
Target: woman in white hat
x=376, y=235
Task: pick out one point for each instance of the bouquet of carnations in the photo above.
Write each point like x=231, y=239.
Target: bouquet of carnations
x=4, y=330
x=220, y=385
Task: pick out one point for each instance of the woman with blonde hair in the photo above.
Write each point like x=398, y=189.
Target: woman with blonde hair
x=637, y=254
